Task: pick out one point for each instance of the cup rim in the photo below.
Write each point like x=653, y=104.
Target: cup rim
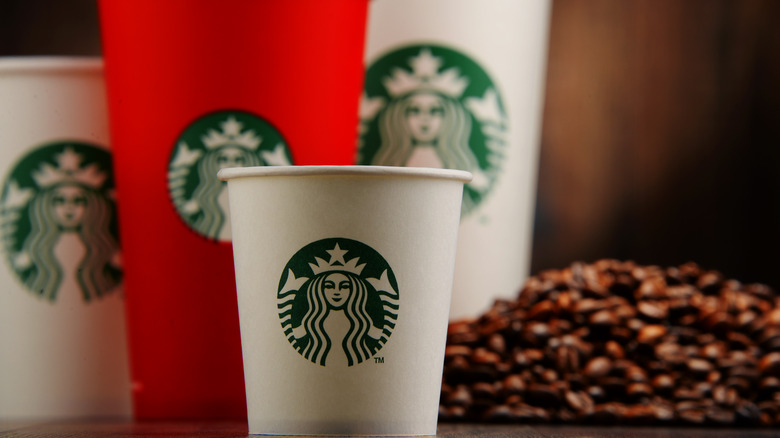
x=49, y=64
x=349, y=170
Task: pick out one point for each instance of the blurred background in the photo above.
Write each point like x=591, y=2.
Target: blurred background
x=661, y=134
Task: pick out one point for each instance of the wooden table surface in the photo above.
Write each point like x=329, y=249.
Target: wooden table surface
x=116, y=429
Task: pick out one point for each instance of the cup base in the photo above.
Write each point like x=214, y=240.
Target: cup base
x=324, y=428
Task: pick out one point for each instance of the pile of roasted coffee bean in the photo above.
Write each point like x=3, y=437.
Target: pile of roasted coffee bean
x=615, y=342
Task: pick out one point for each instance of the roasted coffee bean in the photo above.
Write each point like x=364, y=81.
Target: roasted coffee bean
x=635, y=373
x=452, y=413
x=603, y=318
x=747, y=320
x=709, y=282
x=494, y=324
x=513, y=385
x=770, y=364
x=460, y=396
x=718, y=322
x=650, y=334
x=653, y=288
x=597, y=393
x=624, y=312
x=664, y=410
x=614, y=350
x=724, y=396
x=597, y=367
x=663, y=384
x=529, y=414
x=608, y=413
x=456, y=350
x=536, y=334
x=621, y=334
x=714, y=377
x=714, y=350
x=458, y=365
x=541, y=311
x=496, y=343
x=769, y=385
x=653, y=311
x=699, y=366
x=635, y=324
x=499, y=413
x=549, y=376
x=747, y=413
x=640, y=414
x=461, y=333
x=693, y=416
x=670, y=352
x=484, y=356
x=588, y=306
x=773, y=317
x=615, y=342
x=483, y=390
x=638, y=390
x=579, y=401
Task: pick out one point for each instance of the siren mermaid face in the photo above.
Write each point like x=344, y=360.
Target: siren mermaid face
x=337, y=288
x=231, y=156
x=69, y=203
x=424, y=117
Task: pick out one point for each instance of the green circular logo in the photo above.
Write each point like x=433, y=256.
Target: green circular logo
x=338, y=302
x=431, y=106
x=213, y=142
x=59, y=220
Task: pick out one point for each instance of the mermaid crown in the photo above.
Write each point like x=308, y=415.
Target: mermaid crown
x=69, y=170
x=337, y=263
x=425, y=75
x=231, y=135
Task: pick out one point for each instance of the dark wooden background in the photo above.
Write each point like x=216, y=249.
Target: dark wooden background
x=661, y=136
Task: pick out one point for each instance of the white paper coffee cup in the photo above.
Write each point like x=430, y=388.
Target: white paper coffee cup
x=62, y=333
x=344, y=279
x=460, y=84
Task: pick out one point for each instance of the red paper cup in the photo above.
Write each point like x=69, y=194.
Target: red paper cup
x=194, y=86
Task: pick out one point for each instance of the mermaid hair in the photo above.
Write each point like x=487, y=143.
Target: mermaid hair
x=354, y=343
x=206, y=194
x=93, y=276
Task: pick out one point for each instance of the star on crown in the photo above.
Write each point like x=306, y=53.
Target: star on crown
x=69, y=170
x=231, y=135
x=337, y=263
x=425, y=75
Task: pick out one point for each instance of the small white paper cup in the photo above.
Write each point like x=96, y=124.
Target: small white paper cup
x=344, y=277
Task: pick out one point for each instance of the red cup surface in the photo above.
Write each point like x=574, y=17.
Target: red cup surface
x=297, y=66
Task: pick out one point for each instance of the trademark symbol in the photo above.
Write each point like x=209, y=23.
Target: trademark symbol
x=379, y=360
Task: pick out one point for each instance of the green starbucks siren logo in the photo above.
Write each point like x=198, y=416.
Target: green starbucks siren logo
x=431, y=106
x=213, y=142
x=58, y=220
x=338, y=302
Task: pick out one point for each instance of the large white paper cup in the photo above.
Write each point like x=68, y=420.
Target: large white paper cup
x=344, y=279
x=460, y=84
x=62, y=334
